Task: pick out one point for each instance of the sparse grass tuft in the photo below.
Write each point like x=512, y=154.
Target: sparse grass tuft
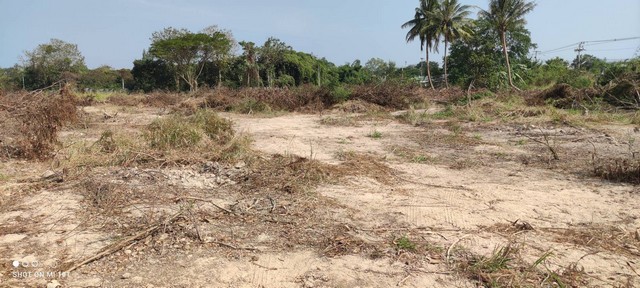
x=375, y=134
x=404, y=243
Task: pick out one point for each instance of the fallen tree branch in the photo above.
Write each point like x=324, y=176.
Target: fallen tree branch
x=126, y=242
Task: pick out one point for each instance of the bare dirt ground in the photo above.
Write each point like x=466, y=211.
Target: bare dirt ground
x=441, y=194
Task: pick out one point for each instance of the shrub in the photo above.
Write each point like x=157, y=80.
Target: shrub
x=184, y=132
x=172, y=132
x=340, y=94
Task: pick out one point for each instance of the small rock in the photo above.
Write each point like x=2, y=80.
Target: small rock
x=128, y=252
x=53, y=284
x=126, y=276
x=137, y=279
x=48, y=174
x=240, y=165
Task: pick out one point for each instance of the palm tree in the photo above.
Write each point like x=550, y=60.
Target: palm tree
x=506, y=16
x=423, y=27
x=452, y=22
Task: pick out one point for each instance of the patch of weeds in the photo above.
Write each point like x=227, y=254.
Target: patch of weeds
x=463, y=164
x=521, y=142
x=404, y=243
x=252, y=106
x=455, y=127
x=415, y=118
x=477, y=137
x=447, y=113
x=338, y=121
x=375, y=134
x=506, y=268
x=421, y=159
x=3, y=177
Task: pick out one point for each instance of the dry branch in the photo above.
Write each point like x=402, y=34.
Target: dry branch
x=205, y=200
x=126, y=242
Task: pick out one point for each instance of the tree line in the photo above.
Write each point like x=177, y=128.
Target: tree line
x=492, y=51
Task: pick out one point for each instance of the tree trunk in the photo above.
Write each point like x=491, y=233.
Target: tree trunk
x=446, y=74
x=503, y=36
x=429, y=69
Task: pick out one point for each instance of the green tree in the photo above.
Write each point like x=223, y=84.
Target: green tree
x=103, y=77
x=506, y=16
x=252, y=72
x=189, y=52
x=452, y=22
x=478, y=60
x=271, y=57
x=52, y=62
x=424, y=27
x=380, y=69
x=153, y=74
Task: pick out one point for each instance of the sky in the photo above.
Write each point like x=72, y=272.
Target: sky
x=115, y=32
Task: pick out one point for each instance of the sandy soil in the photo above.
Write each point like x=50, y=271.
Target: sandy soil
x=459, y=199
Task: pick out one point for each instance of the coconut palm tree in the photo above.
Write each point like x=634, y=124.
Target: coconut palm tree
x=423, y=27
x=507, y=16
x=452, y=22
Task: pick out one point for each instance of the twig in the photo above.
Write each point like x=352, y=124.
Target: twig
x=264, y=267
x=124, y=243
x=205, y=200
x=233, y=247
x=632, y=269
x=403, y=280
x=546, y=143
x=454, y=244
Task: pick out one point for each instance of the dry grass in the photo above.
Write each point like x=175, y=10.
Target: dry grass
x=155, y=99
x=170, y=141
x=600, y=237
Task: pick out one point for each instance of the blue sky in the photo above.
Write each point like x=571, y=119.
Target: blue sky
x=114, y=32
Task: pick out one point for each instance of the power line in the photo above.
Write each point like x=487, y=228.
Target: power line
x=583, y=43
x=620, y=49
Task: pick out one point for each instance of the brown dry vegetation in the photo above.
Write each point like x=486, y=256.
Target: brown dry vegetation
x=31, y=121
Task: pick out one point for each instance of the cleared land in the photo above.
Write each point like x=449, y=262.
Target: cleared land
x=438, y=197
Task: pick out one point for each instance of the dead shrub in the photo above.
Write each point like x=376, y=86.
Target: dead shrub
x=618, y=170
x=389, y=94
x=126, y=99
x=162, y=99
x=31, y=122
x=103, y=195
x=155, y=99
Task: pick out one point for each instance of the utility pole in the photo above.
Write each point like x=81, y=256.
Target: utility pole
x=579, y=50
x=535, y=55
x=421, y=68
